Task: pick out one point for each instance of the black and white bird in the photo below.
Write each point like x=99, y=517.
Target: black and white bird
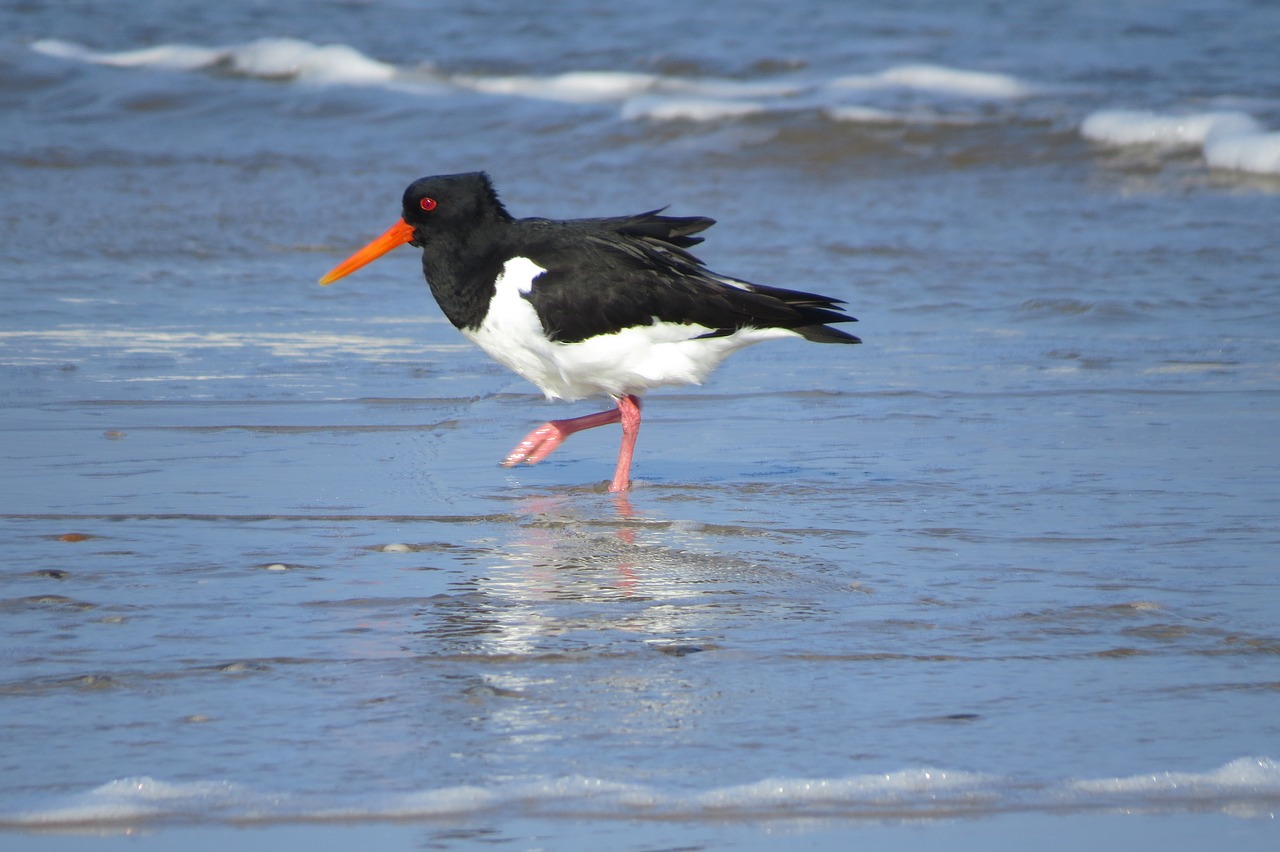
x=584, y=307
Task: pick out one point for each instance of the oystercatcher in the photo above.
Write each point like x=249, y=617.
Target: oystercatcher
x=582, y=307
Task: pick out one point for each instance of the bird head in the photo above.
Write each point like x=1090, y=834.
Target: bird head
x=432, y=207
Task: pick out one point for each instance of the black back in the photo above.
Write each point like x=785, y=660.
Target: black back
x=602, y=275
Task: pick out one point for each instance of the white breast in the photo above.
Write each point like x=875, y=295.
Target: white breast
x=628, y=361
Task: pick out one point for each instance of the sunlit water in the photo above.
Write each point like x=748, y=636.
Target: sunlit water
x=1014, y=558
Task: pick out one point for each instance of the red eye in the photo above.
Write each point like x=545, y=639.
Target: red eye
x=427, y=204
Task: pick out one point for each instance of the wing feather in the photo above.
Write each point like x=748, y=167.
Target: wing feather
x=604, y=275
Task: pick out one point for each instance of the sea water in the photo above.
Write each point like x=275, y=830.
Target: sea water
x=1003, y=576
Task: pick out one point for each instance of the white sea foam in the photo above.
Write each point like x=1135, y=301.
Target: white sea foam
x=1247, y=775
x=292, y=58
x=179, y=57
x=716, y=88
x=690, y=109
x=940, y=80
x=574, y=86
x=624, y=86
x=873, y=115
x=1143, y=127
x=1245, y=152
x=1229, y=139
x=863, y=115
x=918, y=786
x=267, y=58
x=1245, y=787
x=446, y=801
x=134, y=799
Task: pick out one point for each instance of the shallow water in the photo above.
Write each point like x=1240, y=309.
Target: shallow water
x=1005, y=570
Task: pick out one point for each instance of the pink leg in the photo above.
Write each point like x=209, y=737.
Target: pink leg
x=539, y=443
x=629, y=413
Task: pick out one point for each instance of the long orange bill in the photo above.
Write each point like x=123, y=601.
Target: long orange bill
x=397, y=235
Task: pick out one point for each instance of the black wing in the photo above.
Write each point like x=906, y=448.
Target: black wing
x=604, y=275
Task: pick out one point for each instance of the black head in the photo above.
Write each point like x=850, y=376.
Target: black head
x=451, y=205
x=450, y=215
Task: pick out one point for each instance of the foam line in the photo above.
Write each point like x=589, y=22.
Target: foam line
x=1228, y=139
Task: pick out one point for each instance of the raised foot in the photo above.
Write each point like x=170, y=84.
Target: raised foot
x=537, y=445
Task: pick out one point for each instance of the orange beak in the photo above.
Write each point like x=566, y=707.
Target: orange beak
x=397, y=235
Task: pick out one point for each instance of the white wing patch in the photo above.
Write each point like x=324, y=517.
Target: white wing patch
x=627, y=361
x=518, y=273
x=511, y=331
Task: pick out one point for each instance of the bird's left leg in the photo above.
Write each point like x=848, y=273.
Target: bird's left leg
x=539, y=443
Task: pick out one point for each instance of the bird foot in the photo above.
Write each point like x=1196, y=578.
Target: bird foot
x=537, y=445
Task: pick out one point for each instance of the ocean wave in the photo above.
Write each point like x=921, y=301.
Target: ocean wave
x=874, y=115
x=1248, y=775
x=1245, y=152
x=1144, y=127
x=1228, y=139
x=574, y=86
x=905, y=94
x=1247, y=787
x=275, y=59
x=692, y=109
x=875, y=98
x=939, y=79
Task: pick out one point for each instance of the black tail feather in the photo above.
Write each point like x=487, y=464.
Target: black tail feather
x=825, y=334
x=673, y=230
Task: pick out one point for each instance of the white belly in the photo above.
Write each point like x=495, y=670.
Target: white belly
x=629, y=361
